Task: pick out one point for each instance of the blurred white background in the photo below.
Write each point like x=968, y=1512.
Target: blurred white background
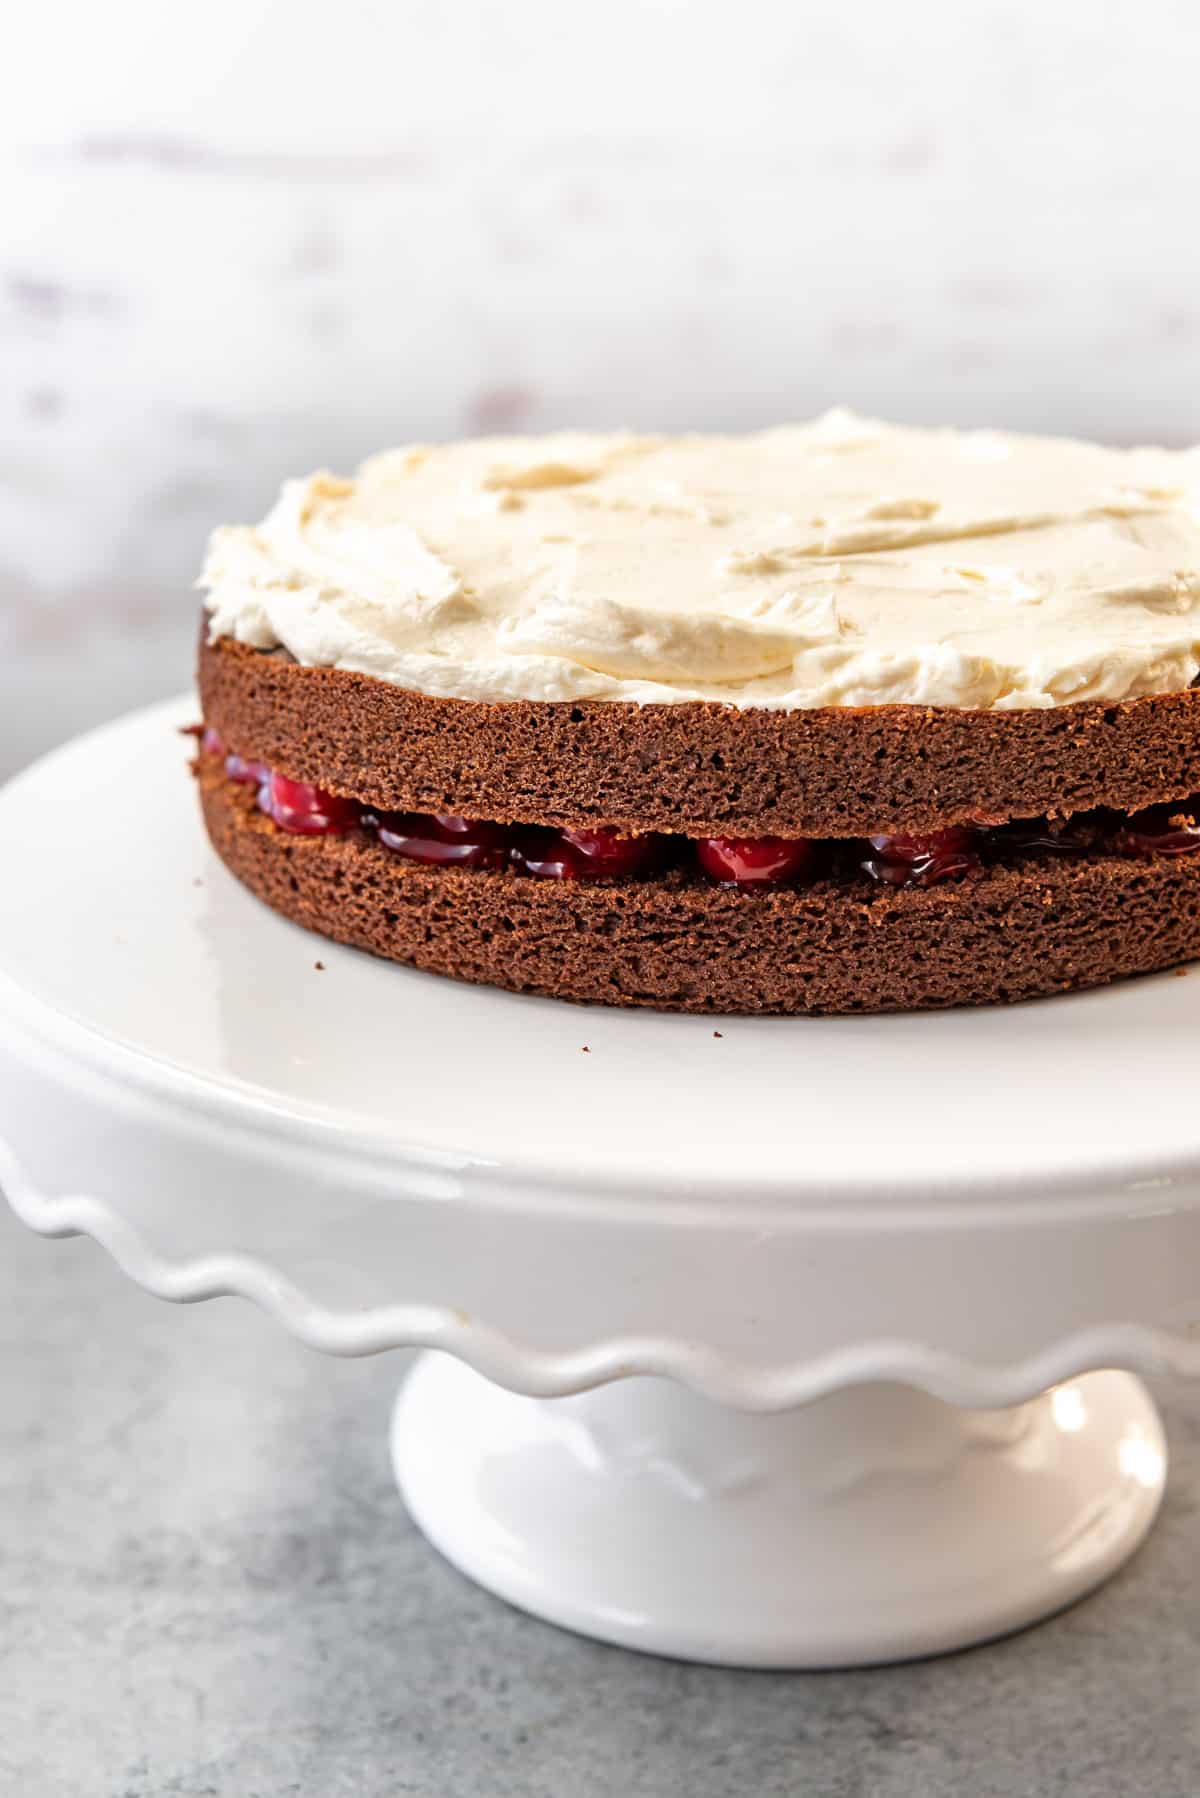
x=250, y=237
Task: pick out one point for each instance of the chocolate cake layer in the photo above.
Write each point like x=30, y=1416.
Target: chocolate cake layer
x=677, y=943
x=697, y=769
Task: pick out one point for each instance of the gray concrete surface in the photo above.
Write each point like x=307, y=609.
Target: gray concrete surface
x=208, y=1586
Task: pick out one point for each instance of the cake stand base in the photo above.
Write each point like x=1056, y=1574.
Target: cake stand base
x=874, y=1525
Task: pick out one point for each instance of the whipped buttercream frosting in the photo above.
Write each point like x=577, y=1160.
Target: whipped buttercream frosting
x=841, y=562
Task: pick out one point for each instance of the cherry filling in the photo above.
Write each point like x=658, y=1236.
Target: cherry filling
x=756, y=861
x=1031, y=836
x=923, y=861
x=746, y=863
x=584, y=854
x=441, y=841
x=247, y=774
x=546, y=854
x=606, y=852
x=309, y=811
x=1160, y=830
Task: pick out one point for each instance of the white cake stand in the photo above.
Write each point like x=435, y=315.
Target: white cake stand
x=923, y=1223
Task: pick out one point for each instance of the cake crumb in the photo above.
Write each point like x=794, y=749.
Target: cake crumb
x=319, y=966
x=585, y=1050
x=717, y=1034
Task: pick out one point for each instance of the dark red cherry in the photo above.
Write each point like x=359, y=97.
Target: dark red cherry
x=547, y=855
x=1171, y=829
x=605, y=852
x=583, y=854
x=443, y=840
x=923, y=860
x=309, y=811
x=957, y=839
x=755, y=861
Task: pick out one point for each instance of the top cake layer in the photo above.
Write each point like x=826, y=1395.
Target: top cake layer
x=845, y=562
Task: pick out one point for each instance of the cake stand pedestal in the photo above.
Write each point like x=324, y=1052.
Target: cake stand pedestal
x=873, y=1525
x=767, y=1342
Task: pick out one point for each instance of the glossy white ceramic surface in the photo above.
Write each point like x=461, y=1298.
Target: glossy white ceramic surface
x=978, y=1204
x=878, y=1524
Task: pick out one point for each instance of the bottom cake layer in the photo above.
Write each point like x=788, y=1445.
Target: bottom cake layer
x=1020, y=931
